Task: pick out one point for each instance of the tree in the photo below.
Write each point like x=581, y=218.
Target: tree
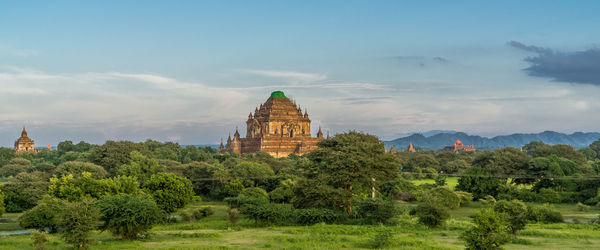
x=504, y=162
x=44, y=215
x=376, y=210
x=84, y=186
x=516, y=213
x=140, y=166
x=77, y=167
x=23, y=191
x=478, y=182
x=201, y=176
x=596, y=147
x=490, y=231
x=255, y=193
x=14, y=166
x=128, y=215
x=111, y=155
x=251, y=173
x=2, y=206
x=77, y=221
x=345, y=166
x=169, y=191
x=431, y=214
x=6, y=154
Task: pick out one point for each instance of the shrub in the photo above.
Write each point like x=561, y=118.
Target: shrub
x=44, y=215
x=241, y=202
x=255, y=193
x=186, y=216
x=430, y=214
x=76, y=168
x=548, y=195
x=282, y=194
x=234, y=216
x=582, y=207
x=129, y=215
x=269, y=213
x=310, y=216
x=376, y=210
x=489, y=232
x=382, y=239
x=233, y=187
x=23, y=191
x=12, y=170
x=488, y=201
x=465, y=198
x=203, y=212
x=543, y=214
x=77, y=221
x=442, y=196
x=39, y=239
x=516, y=213
x=2, y=206
x=169, y=191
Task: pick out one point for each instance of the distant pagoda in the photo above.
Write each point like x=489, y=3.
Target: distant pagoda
x=458, y=146
x=24, y=144
x=410, y=148
x=278, y=128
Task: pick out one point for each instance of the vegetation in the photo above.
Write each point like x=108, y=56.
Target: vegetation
x=102, y=196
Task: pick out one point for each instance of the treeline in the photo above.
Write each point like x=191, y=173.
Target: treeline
x=127, y=187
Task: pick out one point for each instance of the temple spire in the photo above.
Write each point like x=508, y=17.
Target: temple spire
x=320, y=133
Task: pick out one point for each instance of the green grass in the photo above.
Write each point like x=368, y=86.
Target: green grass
x=215, y=233
x=451, y=182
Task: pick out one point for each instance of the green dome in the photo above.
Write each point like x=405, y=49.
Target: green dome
x=278, y=94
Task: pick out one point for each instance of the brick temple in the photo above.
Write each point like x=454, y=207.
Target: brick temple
x=24, y=144
x=278, y=127
x=458, y=146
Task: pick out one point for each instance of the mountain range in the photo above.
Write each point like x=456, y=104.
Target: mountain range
x=435, y=141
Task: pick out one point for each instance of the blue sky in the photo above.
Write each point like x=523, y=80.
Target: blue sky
x=190, y=71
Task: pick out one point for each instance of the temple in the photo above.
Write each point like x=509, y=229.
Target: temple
x=278, y=128
x=458, y=147
x=24, y=144
x=410, y=148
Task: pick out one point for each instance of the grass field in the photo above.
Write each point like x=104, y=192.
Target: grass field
x=450, y=182
x=215, y=233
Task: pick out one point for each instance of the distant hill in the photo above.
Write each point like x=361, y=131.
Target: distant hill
x=438, y=141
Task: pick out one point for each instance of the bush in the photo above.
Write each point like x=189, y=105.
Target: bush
x=442, y=196
x=2, y=206
x=77, y=221
x=203, y=213
x=382, y=239
x=516, y=213
x=255, y=193
x=270, y=213
x=39, y=239
x=234, y=216
x=488, y=201
x=491, y=231
x=582, y=207
x=376, y=210
x=169, y=191
x=44, y=215
x=548, y=195
x=310, y=216
x=129, y=215
x=23, y=191
x=242, y=202
x=76, y=168
x=543, y=214
x=12, y=170
x=465, y=198
x=430, y=214
x=186, y=216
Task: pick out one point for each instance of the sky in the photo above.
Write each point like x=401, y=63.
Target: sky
x=191, y=71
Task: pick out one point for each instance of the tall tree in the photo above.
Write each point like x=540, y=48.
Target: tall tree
x=344, y=167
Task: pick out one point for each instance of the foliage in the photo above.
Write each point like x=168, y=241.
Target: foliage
x=2, y=205
x=233, y=187
x=204, y=212
x=112, y=155
x=478, y=182
x=376, y=210
x=465, y=198
x=544, y=214
x=23, y=191
x=201, y=176
x=515, y=213
x=398, y=189
x=39, y=239
x=76, y=223
x=270, y=213
x=42, y=167
x=255, y=193
x=6, y=155
x=140, y=166
x=343, y=166
x=9, y=170
x=442, y=196
x=251, y=173
x=233, y=215
x=128, y=215
x=431, y=215
x=283, y=193
x=76, y=168
x=383, y=238
x=76, y=188
x=310, y=216
x=169, y=191
x=489, y=232
x=44, y=215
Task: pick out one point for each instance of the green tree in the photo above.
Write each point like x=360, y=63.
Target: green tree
x=23, y=191
x=169, y=191
x=255, y=193
x=491, y=231
x=251, y=173
x=516, y=213
x=345, y=166
x=140, y=166
x=77, y=221
x=112, y=155
x=596, y=147
x=128, y=215
x=6, y=154
x=431, y=214
x=477, y=181
x=44, y=215
x=2, y=206
x=77, y=167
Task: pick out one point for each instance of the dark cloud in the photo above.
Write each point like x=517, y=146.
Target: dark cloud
x=581, y=67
